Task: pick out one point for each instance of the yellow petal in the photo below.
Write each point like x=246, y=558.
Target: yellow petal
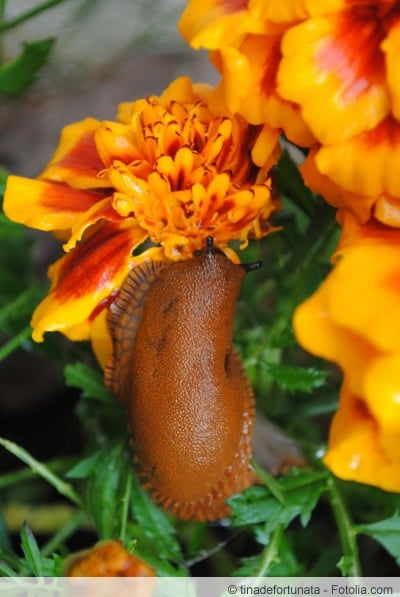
x=214, y=24
x=84, y=278
x=76, y=160
x=334, y=63
x=45, y=205
x=355, y=450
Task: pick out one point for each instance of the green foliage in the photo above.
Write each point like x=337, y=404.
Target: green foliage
x=18, y=74
x=386, y=532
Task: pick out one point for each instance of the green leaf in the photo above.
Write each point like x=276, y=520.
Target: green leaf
x=89, y=381
x=105, y=489
x=386, y=532
x=84, y=467
x=6, y=570
x=31, y=551
x=42, y=470
x=18, y=74
x=300, y=490
x=21, y=306
x=296, y=379
x=155, y=523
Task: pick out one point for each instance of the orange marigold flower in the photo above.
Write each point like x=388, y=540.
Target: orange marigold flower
x=107, y=558
x=340, y=68
x=170, y=172
x=248, y=59
x=353, y=321
x=323, y=72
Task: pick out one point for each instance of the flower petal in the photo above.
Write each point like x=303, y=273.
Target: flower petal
x=76, y=160
x=391, y=48
x=45, y=205
x=334, y=62
x=355, y=451
x=359, y=205
x=215, y=24
x=85, y=277
x=367, y=164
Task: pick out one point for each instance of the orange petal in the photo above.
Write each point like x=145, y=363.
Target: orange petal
x=359, y=205
x=355, y=311
x=355, y=451
x=335, y=63
x=102, y=210
x=367, y=164
x=391, y=48
x=45, y=205
x=76, y=160
x=85, y=277
x=279, y=12
x=262, y=103
x=216, y=24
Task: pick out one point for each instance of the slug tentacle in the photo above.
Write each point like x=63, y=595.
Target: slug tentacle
x=190, y=405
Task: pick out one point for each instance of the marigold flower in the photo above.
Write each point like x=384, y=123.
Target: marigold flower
x=248, y=60
x=170, y=172
x=353, y=321
x=340, y=68
x=107, y=558
x=325, y=73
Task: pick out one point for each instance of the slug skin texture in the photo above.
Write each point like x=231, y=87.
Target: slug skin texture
x=189, y=404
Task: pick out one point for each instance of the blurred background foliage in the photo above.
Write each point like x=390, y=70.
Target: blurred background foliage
x=65, y=473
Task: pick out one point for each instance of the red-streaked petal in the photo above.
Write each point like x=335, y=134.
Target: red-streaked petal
x=85, y=277
x=367, y=164
x=333, y=67
x=76, y=160
x=45, y=205
x=391, y=48
x=102, y=210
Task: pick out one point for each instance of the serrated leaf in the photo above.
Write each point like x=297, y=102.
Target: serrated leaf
x=300, y=490
x=386, y=532
x=155, y=524
x=89, y=381
x=296, y=379
x=18, y=74
x=105, y=488
x=31, y=551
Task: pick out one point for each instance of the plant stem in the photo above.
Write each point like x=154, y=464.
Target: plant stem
x=15, y=342
x=346, y=528
x=5, y=26
x=271, y=552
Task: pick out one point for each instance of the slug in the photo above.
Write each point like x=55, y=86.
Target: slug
x=189, y=404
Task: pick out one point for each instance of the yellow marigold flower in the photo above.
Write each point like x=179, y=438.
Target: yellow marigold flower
x=170, y=172
x=248, y=59
x=353, y=321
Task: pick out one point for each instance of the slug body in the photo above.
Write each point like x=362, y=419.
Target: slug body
x=189, y=403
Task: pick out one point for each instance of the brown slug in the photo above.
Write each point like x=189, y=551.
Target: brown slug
x=189, y=403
